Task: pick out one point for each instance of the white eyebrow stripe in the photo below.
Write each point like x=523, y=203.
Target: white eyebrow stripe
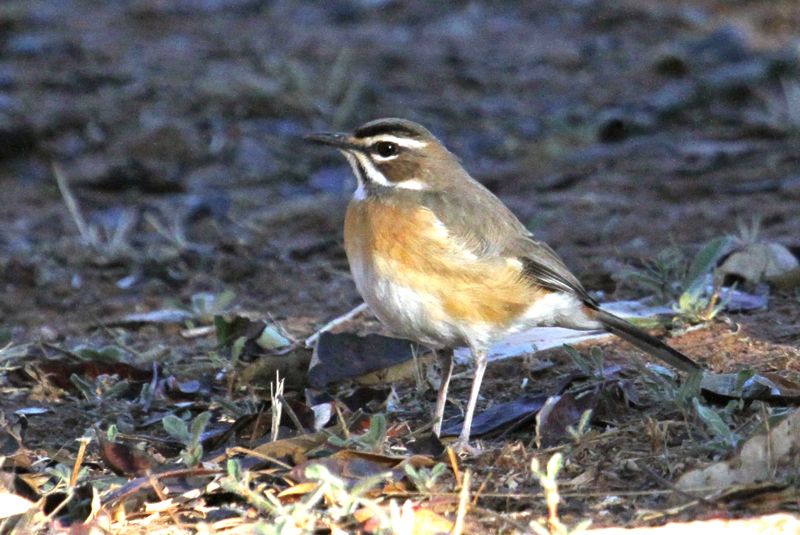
x=401, y=141
x=412, y=183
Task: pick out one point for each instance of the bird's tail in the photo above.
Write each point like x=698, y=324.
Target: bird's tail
x=637, y=337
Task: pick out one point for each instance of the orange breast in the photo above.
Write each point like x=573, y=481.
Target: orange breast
x=408, y=247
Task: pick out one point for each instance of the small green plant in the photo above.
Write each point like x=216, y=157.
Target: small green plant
x=576, y=433
x=590, y=365
x=548, y=479
x=306, y=514
x=205, y=305
x=688, y=401
x=170, y=228
x=695, y=305
x=423, y=478
x=372, y=440
x=11, y=355
x=659, y=276
x=101, y=388
x=62, y=474
x=721, y=432
x=688, y=391
x=112, y=242
x=188, y=436
x=672, y=277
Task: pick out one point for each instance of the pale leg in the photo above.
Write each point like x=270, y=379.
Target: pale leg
x=446, y=367
x=479, y=355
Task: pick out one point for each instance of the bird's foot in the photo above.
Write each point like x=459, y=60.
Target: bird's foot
x=464, y=449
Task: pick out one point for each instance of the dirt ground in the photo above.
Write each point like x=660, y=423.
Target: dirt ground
x=613, y=129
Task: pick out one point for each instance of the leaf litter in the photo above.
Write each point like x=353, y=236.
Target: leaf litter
x=162, y=417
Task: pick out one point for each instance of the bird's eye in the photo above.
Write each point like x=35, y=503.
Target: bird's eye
x=385, y=149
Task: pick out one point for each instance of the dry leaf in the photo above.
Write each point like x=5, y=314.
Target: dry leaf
x=758, y=457
x=13, y=504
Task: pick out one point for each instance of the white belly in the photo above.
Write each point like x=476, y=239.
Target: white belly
x=407, y=313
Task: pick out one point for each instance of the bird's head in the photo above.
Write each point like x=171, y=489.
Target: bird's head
x=393, y=154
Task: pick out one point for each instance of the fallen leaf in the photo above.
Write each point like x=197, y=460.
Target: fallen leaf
x=13, y=504
x=416, y=519
x=750, y=386
x=294, y=448
x=343, y=356
x=559, y=413
x=123, y=459
x=758, y=457
x=498, y=415
x=162, y=316
x=299, y=489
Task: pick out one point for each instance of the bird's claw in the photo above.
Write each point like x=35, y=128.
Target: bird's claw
x=464, y=449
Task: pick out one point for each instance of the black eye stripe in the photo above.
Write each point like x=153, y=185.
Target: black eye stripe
x=361, y=172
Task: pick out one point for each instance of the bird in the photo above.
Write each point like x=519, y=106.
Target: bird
x=440, y=260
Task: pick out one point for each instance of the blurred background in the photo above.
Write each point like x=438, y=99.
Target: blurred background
x=151, y=149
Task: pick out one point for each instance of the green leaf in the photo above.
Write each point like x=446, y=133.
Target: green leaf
x=198, y=426
x=117, y=390
x=86, y=388
x=411, y=471
x=438, y=470
x=234, y=469
x=377, y=431
x=690, y=389
x=5, y=338
x=111, y=354
x=318, y=472
x=192, y=455
x=271, y=338
x=554, y=466
x=176, y=428
x=224, y=299
x=715, y=423
x=337, y=441
x=236, y=349
x=111, y=432
x=222, y=327
x=704, y=263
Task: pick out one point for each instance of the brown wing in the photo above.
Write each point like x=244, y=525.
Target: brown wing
x=483, y=224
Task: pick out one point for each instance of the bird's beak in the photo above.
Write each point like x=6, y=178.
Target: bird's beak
x=338, y=140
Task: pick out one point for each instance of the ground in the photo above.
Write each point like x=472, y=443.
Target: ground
x=614, y=130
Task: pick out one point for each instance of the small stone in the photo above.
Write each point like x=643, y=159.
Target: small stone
x=757, y=262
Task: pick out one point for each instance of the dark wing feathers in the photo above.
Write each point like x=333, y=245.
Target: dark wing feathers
x=559, y=279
